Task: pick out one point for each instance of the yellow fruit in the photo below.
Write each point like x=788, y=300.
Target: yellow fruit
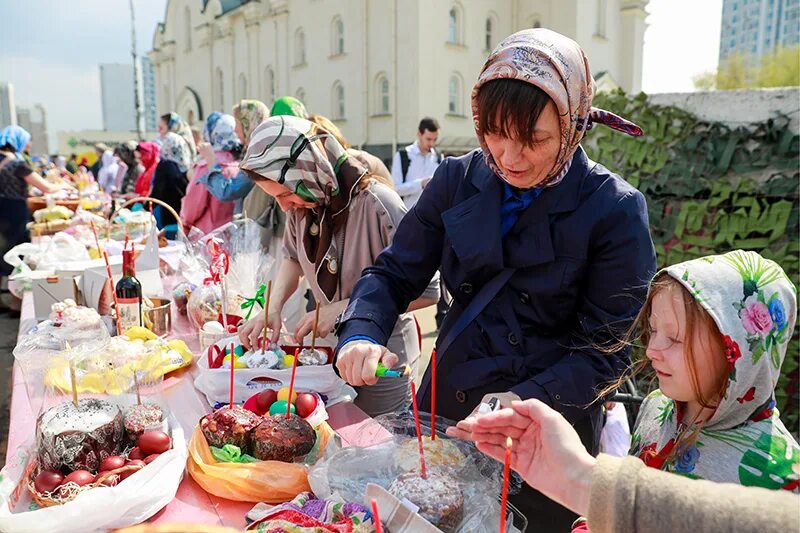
x=138, y=332
x=236, y=364
x=283, y=394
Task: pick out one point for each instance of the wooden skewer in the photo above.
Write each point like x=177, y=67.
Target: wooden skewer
x=72, y=378
x=266, y=314
x=314, y=331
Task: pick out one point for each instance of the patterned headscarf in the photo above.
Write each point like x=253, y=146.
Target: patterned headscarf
x=754, y=305
x=15, y=136
x=557, y=65
x=176, y=124
x=220, y=132
x=311, y=162
x=251, y=113
x=175, y=149
x=290, y=106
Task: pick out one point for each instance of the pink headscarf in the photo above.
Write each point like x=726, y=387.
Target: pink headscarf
x=557, y=65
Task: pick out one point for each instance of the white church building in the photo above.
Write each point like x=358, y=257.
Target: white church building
x=373, y=66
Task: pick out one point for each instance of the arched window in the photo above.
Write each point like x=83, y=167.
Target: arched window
x=382, y=102
x=454, y=95
x=602, y=10
x=300, y=94
x=337, y=36
x=269, y=83
x=299, y=47
x=488, y=36
x=337, y=97
x=243, y=90
x=454, y=25
x=220, y=90
x=187, y=28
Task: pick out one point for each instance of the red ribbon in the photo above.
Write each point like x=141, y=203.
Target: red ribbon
x=220, y=263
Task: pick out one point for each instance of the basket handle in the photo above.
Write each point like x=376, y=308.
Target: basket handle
x=145, y=199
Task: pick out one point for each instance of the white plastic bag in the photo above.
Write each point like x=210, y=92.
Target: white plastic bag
x=132, y=501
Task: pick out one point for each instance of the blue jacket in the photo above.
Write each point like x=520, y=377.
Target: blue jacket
x=583, y=258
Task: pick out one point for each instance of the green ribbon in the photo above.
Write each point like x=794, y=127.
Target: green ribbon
x=231, y=454
x=249, y=303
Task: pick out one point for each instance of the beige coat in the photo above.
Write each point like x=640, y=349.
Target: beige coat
x=371, y=224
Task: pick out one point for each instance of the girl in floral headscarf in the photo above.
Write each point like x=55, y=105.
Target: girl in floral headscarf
x=169, y=181
x=173, y=122
x=338, y=219
x=221, y=150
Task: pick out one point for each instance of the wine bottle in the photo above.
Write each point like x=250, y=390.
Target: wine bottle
x=129, y=294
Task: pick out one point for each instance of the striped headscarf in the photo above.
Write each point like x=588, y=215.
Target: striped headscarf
x=251, y=113
x=557, y=65
x=311, y=162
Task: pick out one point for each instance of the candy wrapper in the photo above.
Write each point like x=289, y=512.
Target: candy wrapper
x=386, y=454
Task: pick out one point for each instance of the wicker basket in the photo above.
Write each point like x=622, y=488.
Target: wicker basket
x=50, y=499
x=147, y=199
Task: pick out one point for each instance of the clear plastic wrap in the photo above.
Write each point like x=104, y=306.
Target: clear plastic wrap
x=387, y=447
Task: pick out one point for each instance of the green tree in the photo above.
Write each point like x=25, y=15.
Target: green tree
x=779, y=68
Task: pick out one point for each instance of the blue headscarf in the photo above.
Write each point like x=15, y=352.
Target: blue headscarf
x=220, y=132
x=17, y=137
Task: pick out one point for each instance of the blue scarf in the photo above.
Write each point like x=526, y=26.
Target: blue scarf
x=514, y=203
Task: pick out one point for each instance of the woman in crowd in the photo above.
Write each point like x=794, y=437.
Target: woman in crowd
x=173, y=122
x=107, y=176
x=147, y=153
x=221, y=149
x=545, y=253
x=169, y=181
x=133, y=169
x=339, y=218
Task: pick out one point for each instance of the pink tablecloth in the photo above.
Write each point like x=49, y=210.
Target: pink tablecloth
x=191, y=503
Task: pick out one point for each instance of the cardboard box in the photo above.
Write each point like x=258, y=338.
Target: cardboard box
x=48, y=288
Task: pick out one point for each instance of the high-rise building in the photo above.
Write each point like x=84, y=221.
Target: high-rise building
x=8, y=112
x=117, y=94
x=40, y=144
x=756, y=27
x=149, y=94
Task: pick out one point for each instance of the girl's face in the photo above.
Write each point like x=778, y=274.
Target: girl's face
x=667, y=348
x=286, y=198
x=162, y=127
x=525, y=164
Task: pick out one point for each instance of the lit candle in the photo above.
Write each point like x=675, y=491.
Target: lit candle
x=422, y=468
x=504, y=496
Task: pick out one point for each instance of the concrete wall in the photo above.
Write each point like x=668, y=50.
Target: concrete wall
x=737, y=108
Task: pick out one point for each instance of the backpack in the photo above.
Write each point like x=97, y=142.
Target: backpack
x=405, y=161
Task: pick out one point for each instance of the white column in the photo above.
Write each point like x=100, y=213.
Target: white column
x=631, y=45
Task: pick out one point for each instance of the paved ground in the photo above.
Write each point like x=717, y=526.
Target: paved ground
x=8, y=339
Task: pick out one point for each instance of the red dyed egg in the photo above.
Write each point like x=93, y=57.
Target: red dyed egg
x=112, y=463
x=48, y=480
x=135, y=454
x=80, y=478
x=154, y=442
x=305, y=404
x=150, y=458
x=264, y=399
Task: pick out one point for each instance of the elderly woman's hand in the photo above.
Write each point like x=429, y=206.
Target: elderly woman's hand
x=547, y=451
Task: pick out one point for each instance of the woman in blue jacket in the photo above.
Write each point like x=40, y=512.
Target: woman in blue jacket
x=547, y=254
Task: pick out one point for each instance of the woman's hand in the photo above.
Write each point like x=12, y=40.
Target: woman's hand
x=254, y=329
x=207, y=153
x=358, y=360
x=327, y=319
x=547, y=451
x=463, y=430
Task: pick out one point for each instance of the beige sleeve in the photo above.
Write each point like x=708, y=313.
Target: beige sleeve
x=290, y=235
x=628, y=496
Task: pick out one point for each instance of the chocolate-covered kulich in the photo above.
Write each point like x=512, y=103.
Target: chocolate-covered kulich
x=278, y=438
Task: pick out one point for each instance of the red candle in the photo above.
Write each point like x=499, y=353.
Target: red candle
x=433, y=394
x=504, y=496
x=233, y=366
x=376, y=516
x=422, y=468
x=291, y=383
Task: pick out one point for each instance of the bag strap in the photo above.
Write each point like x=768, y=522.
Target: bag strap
x=474, y=308
x=404, y=162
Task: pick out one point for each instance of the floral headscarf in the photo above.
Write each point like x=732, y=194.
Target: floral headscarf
x=176, y=124
x=754, y=306
x=175, y=149
x=220, y=132
x=311, y=162
x=251, y=113
x=557, y=65
x=15, y=136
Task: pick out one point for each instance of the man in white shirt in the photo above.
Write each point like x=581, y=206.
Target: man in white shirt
x=414, y=165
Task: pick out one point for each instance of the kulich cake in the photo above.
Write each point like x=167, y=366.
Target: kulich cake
x=278, y=438
x=261, y=359
x=140, y=418
x=229, y=425
x=440, y=452
x=311, y=357
x=438, y=497
x=68, y=313
x=79, y=438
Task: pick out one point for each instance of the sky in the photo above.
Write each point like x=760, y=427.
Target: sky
x=51, y=50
